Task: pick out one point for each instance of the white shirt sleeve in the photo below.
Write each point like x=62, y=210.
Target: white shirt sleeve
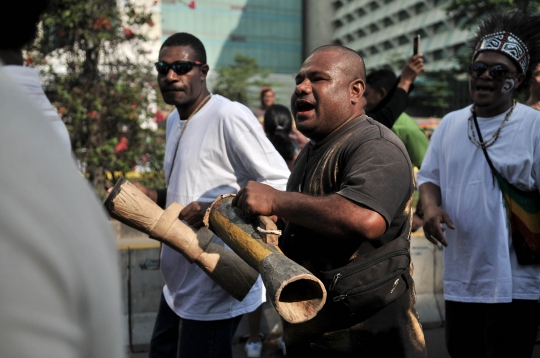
x=430, y=170
x=251, y=153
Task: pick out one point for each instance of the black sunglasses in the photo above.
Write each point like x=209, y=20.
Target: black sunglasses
x=179, y=67
x=497, y=72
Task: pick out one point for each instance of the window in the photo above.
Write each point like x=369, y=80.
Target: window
x=423, y=34
x=402, y=40
x=349, y=18
x=373, y=28
x=337, y=23
x=360, y=12
x=373, y=6
x=439, y=27
x=360, y=33
x=387, y=45
x=338, y=42
x=362, y=53
x=388, y=22
x=349, y=38
x=373, y=50
x=403, y=15
x=337, y=4
x=438, y=55
x=420, y=8
x=238, y=38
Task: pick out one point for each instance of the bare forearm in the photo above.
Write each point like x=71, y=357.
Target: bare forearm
x=405, y=84
x=332, y=215
x=430, y=195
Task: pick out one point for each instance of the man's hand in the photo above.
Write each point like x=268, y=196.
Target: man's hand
x=193, y=213
x=417, y=222
x=297, y=137
x=412, y=69
x=255, y=199
x=434, y=217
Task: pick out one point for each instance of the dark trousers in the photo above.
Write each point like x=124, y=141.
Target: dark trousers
x=491, y=330
x=176, y=337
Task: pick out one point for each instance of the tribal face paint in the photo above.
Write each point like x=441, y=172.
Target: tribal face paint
x=508, y=86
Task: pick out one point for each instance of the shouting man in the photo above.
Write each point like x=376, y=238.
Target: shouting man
x=491, y=299
x=347, y=205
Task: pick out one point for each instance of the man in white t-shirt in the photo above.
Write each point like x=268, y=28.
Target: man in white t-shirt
x=59, y=272
x=491, y=301
x=213, y=147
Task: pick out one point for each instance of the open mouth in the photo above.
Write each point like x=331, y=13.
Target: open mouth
x=303, y=107
x=484, y=89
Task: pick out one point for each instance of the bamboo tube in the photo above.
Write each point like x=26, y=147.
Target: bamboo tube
x=129, y=205
x=296, y=294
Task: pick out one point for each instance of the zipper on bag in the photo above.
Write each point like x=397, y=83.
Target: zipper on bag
x=341, y=275
x=371, y=285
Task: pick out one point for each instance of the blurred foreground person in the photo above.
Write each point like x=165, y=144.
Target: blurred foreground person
x=491, y=283
x=534, y=88
x=59, y=272
x=347, y=206
x=213, y=147
x=11, y=55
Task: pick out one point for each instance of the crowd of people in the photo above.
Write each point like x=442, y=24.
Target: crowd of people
x=334, y=168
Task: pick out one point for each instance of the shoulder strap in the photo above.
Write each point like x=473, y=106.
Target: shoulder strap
x=493, y=170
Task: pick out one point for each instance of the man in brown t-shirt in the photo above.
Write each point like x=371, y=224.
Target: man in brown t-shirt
x=347, y=201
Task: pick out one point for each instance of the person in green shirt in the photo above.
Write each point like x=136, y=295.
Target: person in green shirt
x=379, y=87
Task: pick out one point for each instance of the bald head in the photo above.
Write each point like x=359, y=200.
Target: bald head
x=351, y=62
x=329, y=90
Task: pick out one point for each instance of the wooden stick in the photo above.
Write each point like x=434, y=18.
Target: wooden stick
x=129, y=205
x=296, y=294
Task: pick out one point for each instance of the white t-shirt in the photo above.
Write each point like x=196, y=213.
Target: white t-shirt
x=28, y=78
x=222, y=148
x=59, y=272
x=480, y=264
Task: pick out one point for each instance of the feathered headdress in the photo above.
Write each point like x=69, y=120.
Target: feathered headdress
x=515, y=34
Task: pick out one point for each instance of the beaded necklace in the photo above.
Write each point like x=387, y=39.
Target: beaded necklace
x=495, y=136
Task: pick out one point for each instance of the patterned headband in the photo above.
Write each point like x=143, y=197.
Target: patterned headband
x=507, y=43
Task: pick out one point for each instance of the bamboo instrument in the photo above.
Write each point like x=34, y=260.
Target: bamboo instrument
x=296, y=294
x=127, y=204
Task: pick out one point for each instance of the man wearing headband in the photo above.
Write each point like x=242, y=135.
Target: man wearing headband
x=491, y=300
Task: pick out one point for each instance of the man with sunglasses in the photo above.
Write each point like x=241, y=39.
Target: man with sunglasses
x=213, y=147
x=491, y=300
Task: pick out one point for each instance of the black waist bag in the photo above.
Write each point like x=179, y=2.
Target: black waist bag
x=371, y=281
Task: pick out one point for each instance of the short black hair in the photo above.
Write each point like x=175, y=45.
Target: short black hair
x=278, y=125
x=185, y=39
x=18, y=23
x=277, y=115
x=383, y=78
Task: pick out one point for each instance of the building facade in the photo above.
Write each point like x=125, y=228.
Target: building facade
x=382, y=31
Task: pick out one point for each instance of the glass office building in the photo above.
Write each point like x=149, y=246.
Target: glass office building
x=270, y=31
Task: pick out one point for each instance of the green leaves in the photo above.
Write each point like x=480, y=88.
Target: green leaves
x=467, y=12
x=102, y=88
x=233, y=81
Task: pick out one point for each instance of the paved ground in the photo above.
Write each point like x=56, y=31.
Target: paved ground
x=434, y=343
